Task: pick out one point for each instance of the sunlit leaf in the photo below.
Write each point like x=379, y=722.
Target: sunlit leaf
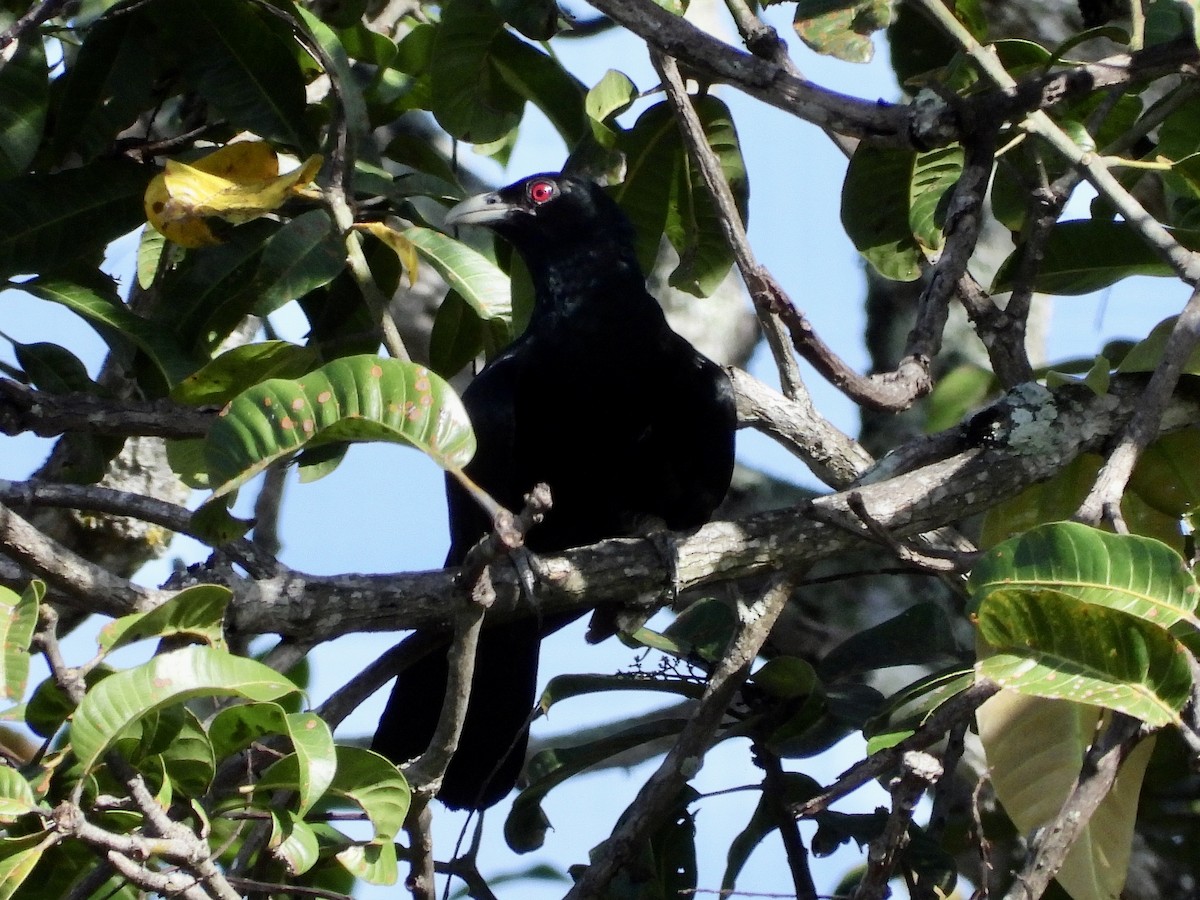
x=363, y=777
x=237, y=183
x=293, y=842
x=841, y=28
x=404, y=248
x=197, y=612
x=349, y=399
x=172, y=677
x=935, y=173
x=1129, y=573
x=18, y=856
x=478, y=280
x=16, y=796
x=1050, y=644
x=18, y=621
x=239, y=368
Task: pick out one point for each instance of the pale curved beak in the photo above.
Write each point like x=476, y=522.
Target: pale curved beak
x=482, y=209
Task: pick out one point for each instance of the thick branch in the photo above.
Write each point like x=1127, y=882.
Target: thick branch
x=1029, y=437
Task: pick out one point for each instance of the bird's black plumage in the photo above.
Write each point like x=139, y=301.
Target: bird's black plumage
x=622, y=418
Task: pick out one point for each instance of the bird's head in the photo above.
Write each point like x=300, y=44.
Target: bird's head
x=547, y=216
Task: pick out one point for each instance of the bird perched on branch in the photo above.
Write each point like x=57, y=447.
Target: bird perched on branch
x=625, y=421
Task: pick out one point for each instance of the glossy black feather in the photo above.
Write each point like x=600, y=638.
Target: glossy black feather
x=601, y=400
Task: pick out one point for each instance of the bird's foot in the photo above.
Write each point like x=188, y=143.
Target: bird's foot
x=607, y=621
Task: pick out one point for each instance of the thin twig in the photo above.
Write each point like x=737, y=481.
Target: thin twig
x=681, y=762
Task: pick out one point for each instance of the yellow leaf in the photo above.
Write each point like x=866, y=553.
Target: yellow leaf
x=237, y=183
x=1035, y=748
x=403, y=246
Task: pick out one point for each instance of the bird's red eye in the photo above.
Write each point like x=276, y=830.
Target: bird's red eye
x=541, y=191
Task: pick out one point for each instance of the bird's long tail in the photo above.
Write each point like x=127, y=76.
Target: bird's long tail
x=491, y=750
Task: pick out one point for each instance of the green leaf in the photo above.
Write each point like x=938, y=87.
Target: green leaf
x=189, y=761
x=1033, y=778
x=841, y=28
x=541, y=79
x=935, y=173
x=1050, y=644
x=212, y=289
x=173, y=677
x=293, y=842
x=24, y=95
x=567, y=687
x=356, y=398
x=457, y=336
x=663, y=193
x=471, y=98
x=242, y=367
x=315, y=755
x=349, y=94
x=525, y=827
x=921, y=634
x=303, y=255
x=363, y=777
x=875, y=210
x=909, y=707
x=16, y=796
x=693, y=225
x=797, y=788
x=536, y=19
x=111, y=81
x=53, y=369
x=703, y=630
x=472, y=275
x=99, y=304
x=960, y=391
x=1146, y=354
x=50, y=222
x=235, y=728
x=18, y=856
x=611, y=96
x=1085, y=255
x=1166, y=476
x=374, y=863
x=1133, y=574
x=197, y=612
x=18, y=621
x=237, y=60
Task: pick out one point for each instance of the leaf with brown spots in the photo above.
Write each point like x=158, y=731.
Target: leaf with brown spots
x=356, y=398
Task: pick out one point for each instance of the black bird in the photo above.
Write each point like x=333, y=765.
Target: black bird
x=625, y=421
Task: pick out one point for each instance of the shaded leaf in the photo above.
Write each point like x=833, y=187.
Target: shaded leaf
x=99, y=304
x=402, y=246
x=875, y=210
x=797, y=788
x=303, y=255
x=909, y=707
x=841, y=28
x=52, y=368
x=1085, y=255
x=18, y=856
x=188, y=761
x=542, y=80
x=353, y=398
x=525, y=827
x=470, y=97
x=293, y=842
x=172, y=677
x=50, y=222
x=919, y=635
x=110, y=82
x=374, y=863
x=566, y=687
x=24, y=96
x=349, y=93
x=239, y=62
x=457, y=336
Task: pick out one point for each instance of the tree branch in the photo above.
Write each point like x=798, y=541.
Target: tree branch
x=683, y=760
